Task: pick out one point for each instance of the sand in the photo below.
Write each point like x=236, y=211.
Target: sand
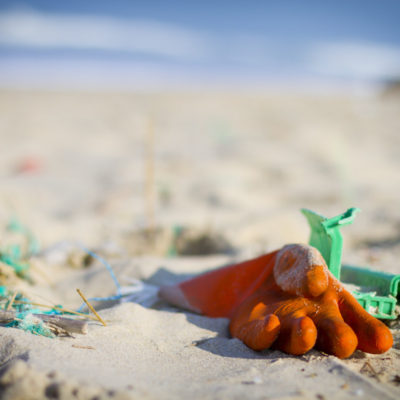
x=230, y=171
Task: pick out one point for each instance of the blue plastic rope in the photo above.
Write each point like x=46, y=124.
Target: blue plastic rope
x=112, y=274
x=105, y=263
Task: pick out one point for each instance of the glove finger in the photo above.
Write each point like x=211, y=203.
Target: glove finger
x=335, y=336
x=297, y=335
x=258, y=334
x=373, y=335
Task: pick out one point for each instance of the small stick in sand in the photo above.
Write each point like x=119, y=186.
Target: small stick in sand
x=11, y=301
x=91, y=307
x=77, y=346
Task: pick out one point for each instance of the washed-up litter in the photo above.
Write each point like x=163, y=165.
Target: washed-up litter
x=292, y=298
x=20, y=312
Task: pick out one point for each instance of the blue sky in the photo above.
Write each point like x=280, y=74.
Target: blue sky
x=133, y=43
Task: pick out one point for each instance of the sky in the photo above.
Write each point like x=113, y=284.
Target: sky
x=159, y=43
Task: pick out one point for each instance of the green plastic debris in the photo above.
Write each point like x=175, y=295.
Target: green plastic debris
x=376, y=291
x=25, y=315
x=176, y=232
x=3, y=291
x=12, y=256
x=29, y=323
x=14, y=225
x=16, y=255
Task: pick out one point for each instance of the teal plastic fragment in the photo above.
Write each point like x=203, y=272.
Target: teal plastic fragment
x=176, y=232
x=14, y=225
x=3, y=291
x=13, y=258
x=13, y=255
x=377, y=292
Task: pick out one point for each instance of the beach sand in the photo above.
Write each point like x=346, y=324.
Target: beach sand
x=167, y=185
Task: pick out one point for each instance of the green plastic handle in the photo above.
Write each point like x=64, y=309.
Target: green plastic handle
x=326, y=236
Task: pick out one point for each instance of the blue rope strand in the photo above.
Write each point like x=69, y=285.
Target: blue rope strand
x=105, y=263
x=112, y=274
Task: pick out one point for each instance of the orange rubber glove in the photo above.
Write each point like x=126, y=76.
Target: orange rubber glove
x=287, y=299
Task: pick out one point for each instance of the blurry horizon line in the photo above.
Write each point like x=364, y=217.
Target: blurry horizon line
x=42, y=49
